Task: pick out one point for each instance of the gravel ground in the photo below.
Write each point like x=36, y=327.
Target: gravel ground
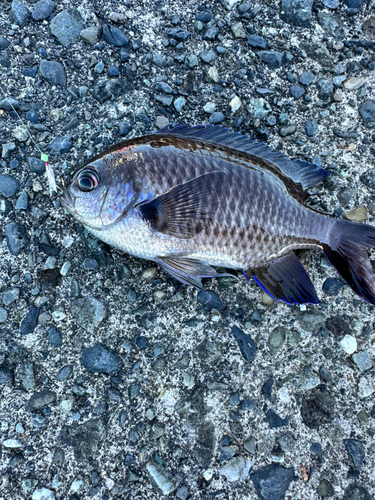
x=116, y=381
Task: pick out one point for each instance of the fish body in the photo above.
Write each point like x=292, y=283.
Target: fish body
x=193, y=198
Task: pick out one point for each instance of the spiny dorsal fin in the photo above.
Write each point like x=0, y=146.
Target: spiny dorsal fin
x=300, y=171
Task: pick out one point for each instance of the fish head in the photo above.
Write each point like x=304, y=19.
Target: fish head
x=100, y=193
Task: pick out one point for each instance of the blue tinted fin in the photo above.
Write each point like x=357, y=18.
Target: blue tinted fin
x=188, y=271
x=286, y=280
x=303, y=172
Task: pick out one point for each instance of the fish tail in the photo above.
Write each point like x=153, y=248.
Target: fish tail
x=346, y=249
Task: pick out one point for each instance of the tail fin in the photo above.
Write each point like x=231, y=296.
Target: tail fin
x=346, y=250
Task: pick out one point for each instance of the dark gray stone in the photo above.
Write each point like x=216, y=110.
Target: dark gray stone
x=367, y=113
x=64, y=373
x=331, y=24
x=216, y=117
x=356, y=452
x=4, y=43
x=272, y=481
x=319, y=53
x=296, y=91
x=163, y=87
x=345, y=134
x=124, y=128
x=274, y=420
x=325, y=88
x=32, y=116
x=207, y=56
x=332, y=286
x=204, y=17
x=114, y=36
x=16, y=237
x=100, y=359
x=256, y=41
x=40, y=400
x=325, y=489
x=53, y=72
x=311, y=127
x=273, y=59
x=356, y=492
x=210, y=300
x=88, y=313
x=178, y=34
x=246, y=344
x=54, y=337
x=36, y=165
x=354, y=4
x=307, y=78
x=296, y=12
x=66, y=26
x=85, y=438
x=211, y=33
x=9, y=185
x=43, y=9
x=318, y=408
x=30, y=321
x=20, y=12
x=60, y=145
x=6, y=376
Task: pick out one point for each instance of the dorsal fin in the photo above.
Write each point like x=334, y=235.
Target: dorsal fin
x=300, y=171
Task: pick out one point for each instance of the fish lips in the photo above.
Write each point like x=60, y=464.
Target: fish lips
x=68, y=200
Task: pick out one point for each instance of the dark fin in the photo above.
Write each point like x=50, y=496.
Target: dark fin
x=303, y=172
x=188, y=271
x=286, y=279
x=346, y=250
x=187, y=208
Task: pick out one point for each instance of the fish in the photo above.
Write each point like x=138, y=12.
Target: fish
x=192, y=199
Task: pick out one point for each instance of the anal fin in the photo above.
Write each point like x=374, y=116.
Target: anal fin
x=286, y=280
x=188, y=271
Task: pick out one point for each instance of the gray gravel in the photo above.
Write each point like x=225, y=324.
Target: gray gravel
x=116, y=381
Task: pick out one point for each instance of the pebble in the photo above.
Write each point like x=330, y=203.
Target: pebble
x=178, y=34
x=40, y=400
x=210, y=300
x=12, y=444
x=10, y=295
x=6, y=376
x=287, y=130
x=362, y=361
x=325, y=88
x=100, y=359
x=43, y=494
x=235, y=104
x=356, y=451
x=367, y=113
x=53, y=72
x=113, y=71
x=66, y=26
x=9, y=185
x=331, y=4
x=259, y=108
x=114, y=36
x=325, y=489
x=286, y=442
x=213, y=74
x=276, y=339
x=354, y=83
x=238, y=30
x=296, y=12
x=216, y=117
x=207, y=56
x=211, y=33
x=60, y=145
x=366, y=387
x=192, y=61
x=7, y=148
x=332, y=286
x=349, y=344
x=16, y=238
x=21, y=133
x=237, y=469
x=162, y=478
x=246, y=344
x=90, y=34
x=36, y=165
x=54, y=337
x=358, y=214
x=88, y=313
x=179, y=103
x=311, y=127
x=124, y=128
x=99, y=67
x=257, y=42
x=20, y=12
x=43, y=9
x=209, y=107
x=272, y=481
x=273, y=59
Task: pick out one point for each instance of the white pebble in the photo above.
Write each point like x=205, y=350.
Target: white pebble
x=235, y=104
x=43, y=494
x=366, y=387
x=349, y=344
x=12, y=443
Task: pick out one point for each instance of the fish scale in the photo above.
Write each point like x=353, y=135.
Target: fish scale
x=193, y=198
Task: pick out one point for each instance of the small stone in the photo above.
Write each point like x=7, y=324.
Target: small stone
x=88, y=313
x=7, y=148
x=367, y=113
x=54, y=337
x=163, y=87
x=354, y=83
x=66, y=26
x=272, y=481
x=332, y=286
x=207, y=56
x=21, y=133
x=178, y=34
x=90, y=34
x=276, y=339
x=362, y=361
x=12, y=444
x=9, y=186
x=296, y=91
x=213, y=74
x=331, y=4
x=53, y=72
x=209, y=107
x=162, y=478
x=211, y=33
x=43, y=9
x=10, y=295
x=165, y=100
x=287, y=130
x=307, y=78
x=296, y=12
x=237, y=469
x=286, y=442
x=235, y=104
x=210, y=300
x=349, y=344
x=124, y=128
x=114, y=36
x=113, y=71
x=40, y=400
x=99, y=67
x=356, y=451
x=192, y=61
x=60, y=145
x=325, y=88
x=43, y=494
x=325, y=489
x=100, y=359
x=6, y=376
x=216, y=117
x=16, y=238
x=358, y=214
x=3, y=315
x=311, y=127
x=256, y=41
x=179, y=103
x=273, y=59
x=20, y=12
x=246, y=344
x=238, y=30
x=36, y=165
x=366, y=387
x=259, y=108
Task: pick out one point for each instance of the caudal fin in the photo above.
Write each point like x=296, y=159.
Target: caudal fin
x=347, y=251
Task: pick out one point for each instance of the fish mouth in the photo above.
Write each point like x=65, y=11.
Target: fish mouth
x=68, y=200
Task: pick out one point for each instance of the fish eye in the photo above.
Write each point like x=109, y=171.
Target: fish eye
x=87, y=180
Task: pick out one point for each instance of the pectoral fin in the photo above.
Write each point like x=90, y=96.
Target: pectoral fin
x=187, y=208
x=286, y=279
x=188, y=271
